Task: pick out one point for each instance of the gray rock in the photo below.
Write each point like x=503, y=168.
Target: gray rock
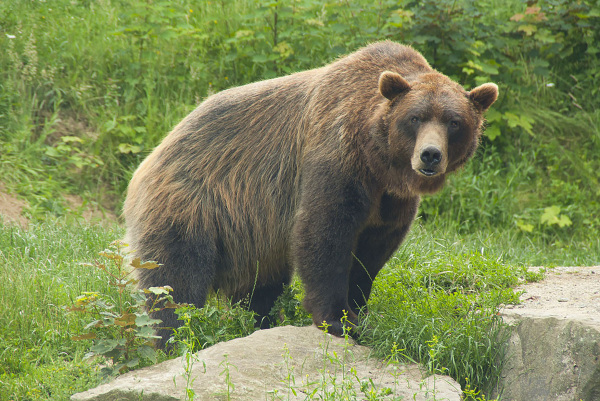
x=552, y=359
x=284, y=363
x=554, y=351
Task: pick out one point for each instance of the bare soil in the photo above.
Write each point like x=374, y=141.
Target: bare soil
x=11, y=209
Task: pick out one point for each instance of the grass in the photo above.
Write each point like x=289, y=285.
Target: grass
x=41, y=273
x=445, y=299
x=433, y=286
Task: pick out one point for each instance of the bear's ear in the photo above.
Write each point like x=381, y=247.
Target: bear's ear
x=484, y=95
x=392, y=84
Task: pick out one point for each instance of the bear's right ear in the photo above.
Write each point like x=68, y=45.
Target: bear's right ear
x=484, y=95
x=392, y=84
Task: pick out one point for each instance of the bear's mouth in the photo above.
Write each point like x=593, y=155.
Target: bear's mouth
x=427, y=172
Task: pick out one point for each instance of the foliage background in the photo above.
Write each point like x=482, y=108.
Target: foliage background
x=88, y=88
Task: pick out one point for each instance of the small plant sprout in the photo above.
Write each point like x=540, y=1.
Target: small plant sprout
x=122, y=329
x=226, y=372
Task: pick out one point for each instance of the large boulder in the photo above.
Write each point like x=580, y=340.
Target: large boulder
x=288, y=363
x=554, y=350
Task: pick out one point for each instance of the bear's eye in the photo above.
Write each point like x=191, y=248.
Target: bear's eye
x=454, y=124
x=414, y=119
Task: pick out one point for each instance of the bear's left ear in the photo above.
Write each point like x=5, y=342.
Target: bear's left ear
x=484, y=95
x=392, y=84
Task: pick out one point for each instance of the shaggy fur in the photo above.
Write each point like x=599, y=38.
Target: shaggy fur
x=319, y=171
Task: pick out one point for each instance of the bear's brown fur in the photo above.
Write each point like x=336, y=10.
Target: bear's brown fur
x=318, y=172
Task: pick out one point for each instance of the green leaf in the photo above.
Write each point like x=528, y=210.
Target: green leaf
x=564, y=221
x=550, y=215
x=493, y=132
x=521, y=120
x=493, y=115
x=528, y=29
x=259, y=58
x=109, y=125
x=139, y=298
x=146, y=332
x=524, y=226
x=147, y=352
x=145, y=320
x=67, y=139
x=132, y=363
x=103, y=346
x=512, y=119
x=489, y=69
x=127, y=148
x=52, y=152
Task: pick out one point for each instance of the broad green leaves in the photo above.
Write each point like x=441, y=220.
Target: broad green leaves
x=552, y=216
x=121, y=326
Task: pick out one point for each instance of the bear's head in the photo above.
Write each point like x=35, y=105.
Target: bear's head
x=433, y=125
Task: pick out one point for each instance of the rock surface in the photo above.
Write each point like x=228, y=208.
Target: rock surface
x=554, y=350
x=287, y=363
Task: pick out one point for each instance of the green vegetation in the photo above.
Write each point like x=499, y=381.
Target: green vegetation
x=445, y=301
x=88, y=88
x=42, y=274
x=120, y=326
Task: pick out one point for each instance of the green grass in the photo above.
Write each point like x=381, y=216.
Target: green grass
x=87, y=89
x=439, y=300
x=436, y=282
x=41, y=272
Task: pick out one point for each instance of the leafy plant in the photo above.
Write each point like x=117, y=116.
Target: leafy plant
x=218, y=320
x=288, y=307
x=122, y=329
x=552, y=216
x=227, y=377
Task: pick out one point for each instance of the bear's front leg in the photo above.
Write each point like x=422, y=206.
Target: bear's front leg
x=332, y=210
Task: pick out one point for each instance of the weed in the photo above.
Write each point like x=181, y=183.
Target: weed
x=122, y=329
x=288, y=307
x=39, y=359
x=218, y=320
x=230, y=387
x=442, y=310
x=189, y=343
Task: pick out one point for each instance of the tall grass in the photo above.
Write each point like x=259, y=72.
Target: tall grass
x=41, y=272
x=89, y=88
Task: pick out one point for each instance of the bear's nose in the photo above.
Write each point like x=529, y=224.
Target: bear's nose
x=431, y=156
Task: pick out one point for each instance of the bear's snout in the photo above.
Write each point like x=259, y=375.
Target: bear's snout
x=431, y=157
x=430, y=153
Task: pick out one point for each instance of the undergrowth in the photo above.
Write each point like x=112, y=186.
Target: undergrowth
x=433, y=286
x=81, y=120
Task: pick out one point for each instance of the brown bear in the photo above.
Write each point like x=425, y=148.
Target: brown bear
x=319, y=172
